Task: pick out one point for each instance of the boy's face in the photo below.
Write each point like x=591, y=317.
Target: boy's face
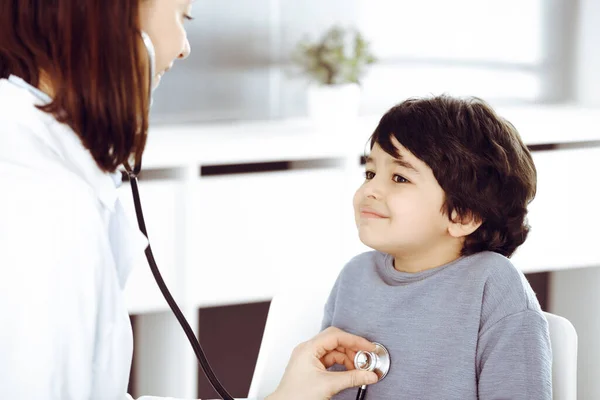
x=398, y=208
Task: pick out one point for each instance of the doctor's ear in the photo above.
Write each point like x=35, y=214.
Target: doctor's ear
x=461, y=226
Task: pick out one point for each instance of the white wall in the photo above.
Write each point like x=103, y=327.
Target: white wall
x=575, y=295
x=587, y=76
x=506, y=51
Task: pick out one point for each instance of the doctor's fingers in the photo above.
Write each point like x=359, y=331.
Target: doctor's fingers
x=332, y=338
x=350, y=354
x=336, y=357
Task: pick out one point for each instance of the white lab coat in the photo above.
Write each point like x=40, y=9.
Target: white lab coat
x=66, y=248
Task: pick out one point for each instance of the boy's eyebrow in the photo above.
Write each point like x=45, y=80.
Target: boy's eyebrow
x=397, y=161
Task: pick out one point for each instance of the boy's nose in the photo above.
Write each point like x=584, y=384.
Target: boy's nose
x=372, y=190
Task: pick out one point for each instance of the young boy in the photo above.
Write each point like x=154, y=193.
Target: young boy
x=443, y=205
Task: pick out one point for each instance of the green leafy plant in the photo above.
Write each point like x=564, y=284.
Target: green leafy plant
x=340, y=56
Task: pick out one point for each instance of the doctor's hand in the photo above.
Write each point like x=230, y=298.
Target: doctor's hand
x=306, y=376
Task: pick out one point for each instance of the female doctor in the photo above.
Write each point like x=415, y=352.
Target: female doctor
x=74, y=106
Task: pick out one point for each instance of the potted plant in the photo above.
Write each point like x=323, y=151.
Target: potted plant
x=335, y=65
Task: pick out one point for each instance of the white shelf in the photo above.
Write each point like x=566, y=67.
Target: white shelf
x=298, y=139
x=564, y=216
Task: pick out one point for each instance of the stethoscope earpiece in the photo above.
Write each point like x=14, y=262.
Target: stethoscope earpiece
x=151, y=55
x=151, y=63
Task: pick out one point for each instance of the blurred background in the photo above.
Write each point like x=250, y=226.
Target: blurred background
x=244, y=188
x=508, y=52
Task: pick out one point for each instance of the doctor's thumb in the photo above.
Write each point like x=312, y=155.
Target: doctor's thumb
x=347, y=379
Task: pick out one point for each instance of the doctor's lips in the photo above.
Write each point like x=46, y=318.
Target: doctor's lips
x=368, y=212
x=160, y=74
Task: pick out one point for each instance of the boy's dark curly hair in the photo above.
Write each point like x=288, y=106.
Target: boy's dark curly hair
x=478, y=159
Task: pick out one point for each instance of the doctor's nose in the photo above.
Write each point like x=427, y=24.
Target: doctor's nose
x=187, y=49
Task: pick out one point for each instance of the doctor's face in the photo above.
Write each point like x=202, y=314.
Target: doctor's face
x=163, y=21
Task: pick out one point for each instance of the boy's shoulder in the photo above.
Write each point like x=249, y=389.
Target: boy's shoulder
x=491, y=265
x=505, y=286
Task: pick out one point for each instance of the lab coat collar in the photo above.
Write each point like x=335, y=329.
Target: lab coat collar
x=62, y=140
x=62, y=145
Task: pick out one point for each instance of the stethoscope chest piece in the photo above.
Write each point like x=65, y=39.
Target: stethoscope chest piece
x=377, y=361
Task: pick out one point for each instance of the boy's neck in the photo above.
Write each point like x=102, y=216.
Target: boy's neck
x=433, y=258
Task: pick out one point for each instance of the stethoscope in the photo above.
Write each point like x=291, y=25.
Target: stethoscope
x=133, y=174
x=377, y=361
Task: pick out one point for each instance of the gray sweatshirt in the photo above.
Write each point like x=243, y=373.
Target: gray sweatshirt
x=470, y=329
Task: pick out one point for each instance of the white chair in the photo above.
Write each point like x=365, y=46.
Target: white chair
x=563, y=339
x=295, y=316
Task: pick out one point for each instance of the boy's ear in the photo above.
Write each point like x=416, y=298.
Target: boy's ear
x=463, y=226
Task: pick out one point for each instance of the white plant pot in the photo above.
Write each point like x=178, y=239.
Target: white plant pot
x=333, y=104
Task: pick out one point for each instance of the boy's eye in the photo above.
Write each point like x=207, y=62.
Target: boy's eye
x=369, y=175
x=399, y=179
x=188, y=17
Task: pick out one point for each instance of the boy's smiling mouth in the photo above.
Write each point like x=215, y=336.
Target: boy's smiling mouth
x=367, y=212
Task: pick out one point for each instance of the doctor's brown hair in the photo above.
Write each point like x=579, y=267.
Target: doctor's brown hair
x=93, y=55
x=478, y=159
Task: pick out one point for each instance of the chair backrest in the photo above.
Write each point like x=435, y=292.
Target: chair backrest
x=563, y=339
x=295, y=316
